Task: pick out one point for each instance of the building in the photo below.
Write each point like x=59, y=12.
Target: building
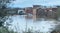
x=29, y=10
x=36, y=6
x=39, y=11
x=51, y=12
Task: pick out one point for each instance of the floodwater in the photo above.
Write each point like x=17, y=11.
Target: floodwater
x=21, y=23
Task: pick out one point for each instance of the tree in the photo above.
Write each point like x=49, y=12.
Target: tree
x=3, y=13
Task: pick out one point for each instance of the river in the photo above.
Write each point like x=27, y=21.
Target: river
x=20, y=23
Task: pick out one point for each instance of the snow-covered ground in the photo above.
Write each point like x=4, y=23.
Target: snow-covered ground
x=20, y=23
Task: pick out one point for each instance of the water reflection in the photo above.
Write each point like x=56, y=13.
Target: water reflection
x=21, y=23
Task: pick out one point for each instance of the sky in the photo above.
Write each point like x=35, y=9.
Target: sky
x=29, y=3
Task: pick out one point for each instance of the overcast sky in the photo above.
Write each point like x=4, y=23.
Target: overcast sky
x=28, y=3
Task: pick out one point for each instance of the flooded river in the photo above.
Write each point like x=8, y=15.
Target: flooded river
x=20, y=23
